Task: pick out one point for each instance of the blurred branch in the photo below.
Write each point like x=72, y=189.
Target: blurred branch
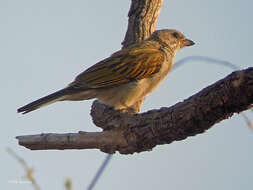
x=205, y=59
x=68, y=184
x=99, y=172
x=29, y=171
x=136, y=133
x=249, y=123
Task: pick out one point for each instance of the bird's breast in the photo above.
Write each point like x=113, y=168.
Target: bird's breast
x=148, y=85
x=126, y=95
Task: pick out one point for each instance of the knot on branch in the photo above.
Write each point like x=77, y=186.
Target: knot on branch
x=107, y=118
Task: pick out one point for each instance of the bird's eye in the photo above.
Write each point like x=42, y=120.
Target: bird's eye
x=176, y=35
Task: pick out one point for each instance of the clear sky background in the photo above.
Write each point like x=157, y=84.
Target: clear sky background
x=45, y=44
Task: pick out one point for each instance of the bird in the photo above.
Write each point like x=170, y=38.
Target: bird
x=124, y=79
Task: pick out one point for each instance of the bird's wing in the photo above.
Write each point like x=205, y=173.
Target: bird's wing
x=121, y=67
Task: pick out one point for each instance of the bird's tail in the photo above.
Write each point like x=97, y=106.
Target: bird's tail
x=57, y=96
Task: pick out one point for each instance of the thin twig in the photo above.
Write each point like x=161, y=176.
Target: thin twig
x=29, y=171
x=249, y=123
x=68, y=184
x=99, y=172
x=205, y=59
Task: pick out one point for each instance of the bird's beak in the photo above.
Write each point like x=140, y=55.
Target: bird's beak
x=187, y=42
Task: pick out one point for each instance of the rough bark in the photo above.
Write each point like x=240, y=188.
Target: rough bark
x=141, y=132
x=142, y=15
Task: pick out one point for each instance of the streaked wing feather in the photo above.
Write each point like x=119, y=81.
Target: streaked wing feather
x=122, y=67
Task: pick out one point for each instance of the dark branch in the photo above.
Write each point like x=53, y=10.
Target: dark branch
x=141, y=132
x=142, y=20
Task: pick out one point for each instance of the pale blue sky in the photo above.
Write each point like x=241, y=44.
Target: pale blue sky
x=45, y=44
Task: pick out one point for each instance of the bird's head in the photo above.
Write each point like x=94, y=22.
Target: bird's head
x=173, y=39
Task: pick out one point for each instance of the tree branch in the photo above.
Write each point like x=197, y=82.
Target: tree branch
x=143, y=15
x=141, y=132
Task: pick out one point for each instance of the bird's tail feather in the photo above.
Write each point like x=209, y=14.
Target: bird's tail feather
x=54, y=97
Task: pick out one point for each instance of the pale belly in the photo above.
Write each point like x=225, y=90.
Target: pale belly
x=125, y=96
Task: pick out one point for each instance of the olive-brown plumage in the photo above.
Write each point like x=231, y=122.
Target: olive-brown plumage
x=124, y=79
